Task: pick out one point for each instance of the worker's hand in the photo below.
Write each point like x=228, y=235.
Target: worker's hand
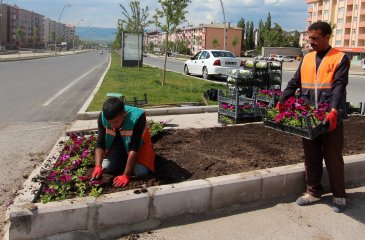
x=278, y=106
x=121, y=181
x=331, y=117
x=97, y=172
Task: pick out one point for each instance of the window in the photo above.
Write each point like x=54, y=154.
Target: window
x=338, y=43
x=354, y=19
x=339, y=32
x=352, y=43
x=339, y=21
x=354, y=31
x=341, y=11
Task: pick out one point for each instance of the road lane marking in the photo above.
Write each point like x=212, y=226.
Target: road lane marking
x=69, y=86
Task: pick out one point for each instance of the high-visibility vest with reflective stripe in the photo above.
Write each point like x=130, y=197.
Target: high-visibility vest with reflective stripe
x=323, y=77
x=146, y=154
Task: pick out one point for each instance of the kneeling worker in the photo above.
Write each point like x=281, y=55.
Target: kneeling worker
x=124, y=142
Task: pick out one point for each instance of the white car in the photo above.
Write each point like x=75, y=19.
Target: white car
x=208, y=63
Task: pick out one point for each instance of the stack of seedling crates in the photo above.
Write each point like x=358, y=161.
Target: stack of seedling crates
x=243, y=97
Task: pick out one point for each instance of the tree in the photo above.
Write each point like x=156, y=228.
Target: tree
x=261, y=35
x=35, y=36
x=268, y=23
x=251, y=37
x=118, y=36
x=215, y=43
x=20, y=33
x=235, y=42
x=241, y=24
x=168, y=18
x=137, y=21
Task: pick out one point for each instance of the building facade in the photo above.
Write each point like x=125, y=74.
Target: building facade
x=348, y=17
x=22, y=28
x=209, y=36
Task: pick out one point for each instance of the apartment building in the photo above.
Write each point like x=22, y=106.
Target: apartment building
x=349, y=19
x=20, y=27
x=210, y=36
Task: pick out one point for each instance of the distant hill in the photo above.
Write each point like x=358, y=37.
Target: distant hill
x=96, y=34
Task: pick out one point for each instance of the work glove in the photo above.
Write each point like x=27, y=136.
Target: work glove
x=97, y=173
x=331, y=117
x=121, y=181
x=278, y=105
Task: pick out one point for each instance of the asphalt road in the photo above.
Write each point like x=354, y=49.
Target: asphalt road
x=355, y=89
x=39, y=99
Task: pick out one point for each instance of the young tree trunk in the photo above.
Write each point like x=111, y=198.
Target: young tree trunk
x=164, y=65
x=138, y=52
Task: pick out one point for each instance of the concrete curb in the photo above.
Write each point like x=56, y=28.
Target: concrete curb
x=112, y=215
x=82, y=115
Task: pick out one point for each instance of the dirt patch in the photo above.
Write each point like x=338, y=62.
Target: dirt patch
x=201, y=153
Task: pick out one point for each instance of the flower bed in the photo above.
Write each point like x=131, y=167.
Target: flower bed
x=298, y=118
x=70, y=175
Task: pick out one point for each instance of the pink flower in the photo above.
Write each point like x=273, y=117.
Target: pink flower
x=76, y=162
x=83, y=178
x=64, y=157
x=65, y=178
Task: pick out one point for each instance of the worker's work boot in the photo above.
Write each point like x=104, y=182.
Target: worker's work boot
x=307, y=199
x=339, y=204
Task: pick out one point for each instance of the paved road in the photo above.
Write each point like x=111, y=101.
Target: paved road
x=355, y=89
x=38, y=101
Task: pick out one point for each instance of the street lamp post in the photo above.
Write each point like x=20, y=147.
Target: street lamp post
x=73, y=37
x=55, y=34
x=224, y=22
x=1, y=22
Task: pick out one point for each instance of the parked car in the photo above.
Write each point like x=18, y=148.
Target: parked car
x=259, y=57
x=279, y=58
x=208, y=63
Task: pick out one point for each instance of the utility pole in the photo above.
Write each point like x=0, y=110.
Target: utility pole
x=1, y=23
x=224, y=22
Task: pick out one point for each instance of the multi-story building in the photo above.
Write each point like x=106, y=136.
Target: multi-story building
x=20, y=27
x=25, y=27
x=348, y=19
x=209, y=36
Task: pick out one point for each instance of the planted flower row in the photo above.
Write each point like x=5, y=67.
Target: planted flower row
x=70, y=175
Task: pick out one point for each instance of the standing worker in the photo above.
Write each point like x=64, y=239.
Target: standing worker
x=322, y=76
x=124, y=142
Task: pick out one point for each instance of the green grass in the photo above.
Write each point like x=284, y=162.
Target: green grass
x=177, y=89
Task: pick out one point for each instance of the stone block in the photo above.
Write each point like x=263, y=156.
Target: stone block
x=190, y=197
x=282, y=181
x=122, y=208
x=34, y=221
x=235, y=189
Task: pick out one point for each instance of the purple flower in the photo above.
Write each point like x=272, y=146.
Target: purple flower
x=83, y=178
x=49, y=190
x=64, y=157
x=65, y=178
x=85, y=154
x=76, y=162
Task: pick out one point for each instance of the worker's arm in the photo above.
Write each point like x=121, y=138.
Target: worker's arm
x=340, y=81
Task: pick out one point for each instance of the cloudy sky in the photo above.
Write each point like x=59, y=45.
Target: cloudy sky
x=290, y=14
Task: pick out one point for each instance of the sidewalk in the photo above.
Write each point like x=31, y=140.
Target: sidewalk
x=26, y=55
x=283, y=221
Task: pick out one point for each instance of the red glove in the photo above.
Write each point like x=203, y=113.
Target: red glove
x=97, y=172
x=331, y=117
x=121, y=181
x=278, y=106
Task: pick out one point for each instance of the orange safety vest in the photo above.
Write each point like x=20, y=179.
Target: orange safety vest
x=323, y=77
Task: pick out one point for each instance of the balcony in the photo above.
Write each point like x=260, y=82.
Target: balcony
x=362, y=12
x=346, y=37
x=320, y=8
x=361, y=36
x=349, y=2
x=310, y=10
x=313, y=1
x=309, y=19
x=348, y=13
x=348, y=25
x=362, y=24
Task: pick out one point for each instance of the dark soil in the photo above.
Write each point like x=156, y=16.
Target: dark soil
x=201, y=153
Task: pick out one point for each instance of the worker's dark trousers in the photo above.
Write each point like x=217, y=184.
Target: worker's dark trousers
x=328, y=146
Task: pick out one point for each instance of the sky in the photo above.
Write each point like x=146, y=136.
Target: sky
x=290, y=14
